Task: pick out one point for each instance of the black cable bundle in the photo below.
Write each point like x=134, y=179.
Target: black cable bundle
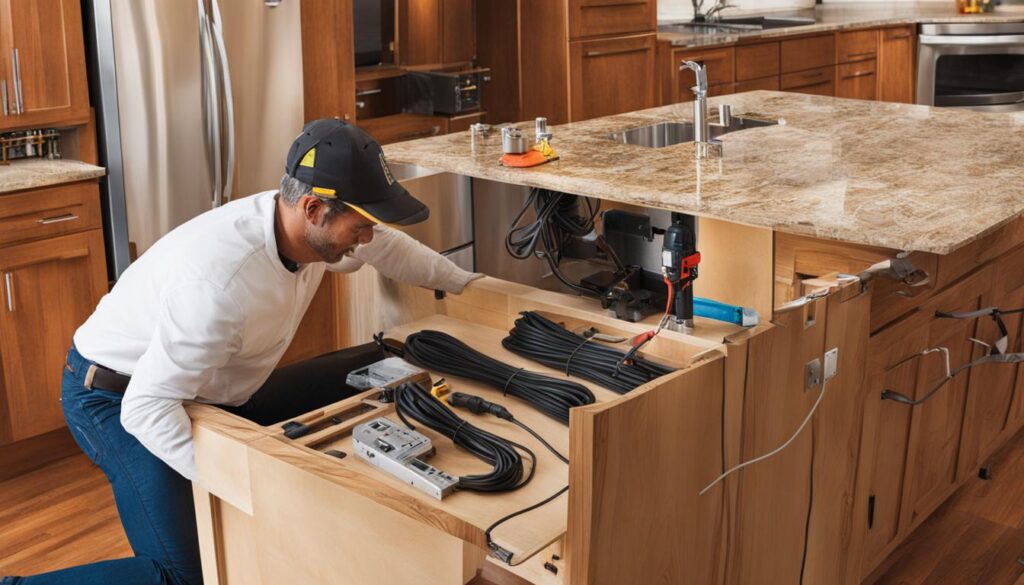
x=412, y=400
x=442, y=352
x=556, y=225
x=548, y=343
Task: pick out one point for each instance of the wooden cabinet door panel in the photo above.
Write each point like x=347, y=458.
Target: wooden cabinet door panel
x=590, y=18
x=611, y=76
x=718, y=63
x=807, y=53
x=858, y=45
x=419, y=32
x=50, y=287
x=458, y=31
x=896, y=65
x=856, y=80
x=936, y=425
x=51, y=53
x=769, y=83
x=757, y=61
x=988, y=418
x=819, y=81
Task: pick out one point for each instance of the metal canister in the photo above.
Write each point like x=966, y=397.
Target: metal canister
x=540, y=129
x=512, y=140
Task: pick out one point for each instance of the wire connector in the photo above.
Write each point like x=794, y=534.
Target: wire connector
x=501, y=553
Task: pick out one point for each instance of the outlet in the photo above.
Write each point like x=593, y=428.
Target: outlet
x=812, y=374
x=831, y=363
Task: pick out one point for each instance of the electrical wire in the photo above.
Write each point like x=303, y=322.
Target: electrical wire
x=554, y=228
x=775, y=451
x=548, y=343
x=442, y=352
x=507, y=471
x=503, y=553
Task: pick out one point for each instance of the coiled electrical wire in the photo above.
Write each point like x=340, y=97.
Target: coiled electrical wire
x=442, y=352
x=543, y=341
x=504, y=456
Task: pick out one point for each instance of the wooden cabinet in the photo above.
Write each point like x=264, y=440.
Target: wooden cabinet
x=896, y=65
x=768, y=83
x=402, y=127
x=858, y=45
x=757, y=61
x=719, y=63
x=432, y=32
x=591, y=18
x=48, y=87
x=856, y=80
x=820, y=81
x=328, y=60
x=807, y=53
x=611, y=76
x=49, y=287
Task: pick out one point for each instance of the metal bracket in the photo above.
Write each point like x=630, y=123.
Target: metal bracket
x=812, y=374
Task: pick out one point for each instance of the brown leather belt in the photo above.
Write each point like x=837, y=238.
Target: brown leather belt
x=100, y=378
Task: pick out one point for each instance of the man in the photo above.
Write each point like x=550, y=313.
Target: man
x=206, y=314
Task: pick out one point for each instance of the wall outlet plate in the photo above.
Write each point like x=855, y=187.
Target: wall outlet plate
x=831, y=363
x=812, y=374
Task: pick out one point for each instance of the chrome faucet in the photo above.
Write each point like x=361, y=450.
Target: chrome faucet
x=704, y=145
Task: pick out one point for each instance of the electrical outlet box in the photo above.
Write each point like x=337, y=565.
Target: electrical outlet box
x=831, y=363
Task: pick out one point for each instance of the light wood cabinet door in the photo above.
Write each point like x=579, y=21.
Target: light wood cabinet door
x=819, y=81
x=896, y=65
x=590, y=18
x=856, y=80
x=49, y=287
x=51, y=88
x=611, y=76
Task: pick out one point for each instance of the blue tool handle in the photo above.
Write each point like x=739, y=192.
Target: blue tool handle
x=710, y=309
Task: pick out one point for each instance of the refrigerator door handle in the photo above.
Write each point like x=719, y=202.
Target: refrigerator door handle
x=211, y=102
x=228, y=100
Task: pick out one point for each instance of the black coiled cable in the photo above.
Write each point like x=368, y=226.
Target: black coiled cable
x=442, y=352
x=548, y=343
x=507, y=473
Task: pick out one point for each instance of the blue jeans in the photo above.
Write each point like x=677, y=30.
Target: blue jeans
x=154, y=501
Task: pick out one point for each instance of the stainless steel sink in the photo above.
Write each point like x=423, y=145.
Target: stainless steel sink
x=665, y=134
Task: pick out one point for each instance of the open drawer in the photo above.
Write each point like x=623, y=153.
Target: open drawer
x=277, y=510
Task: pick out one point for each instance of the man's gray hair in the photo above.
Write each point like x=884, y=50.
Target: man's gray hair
x=293, y=189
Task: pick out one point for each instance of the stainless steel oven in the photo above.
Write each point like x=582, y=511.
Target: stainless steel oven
x=973, y=66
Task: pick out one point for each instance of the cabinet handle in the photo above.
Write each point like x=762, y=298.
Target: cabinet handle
x=363, y=92
x=3, y=95
x=618, y=52
x=868, y=53
x=57, y=219
x=871, y=512
x=19, y=104
x=896, y=37
x=858, y=74
x=9, y=286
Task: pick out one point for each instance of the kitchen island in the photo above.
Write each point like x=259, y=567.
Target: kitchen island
x=837, y=187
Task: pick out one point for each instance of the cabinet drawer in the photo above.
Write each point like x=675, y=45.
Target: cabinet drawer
x=718, y=62
x=401, y=127
x=757, y=61
x=819, y=81
x=591, y=18
x=857, y=80
x=42, y=213
x=769, y=83
x=857, y=45
x=808, y=53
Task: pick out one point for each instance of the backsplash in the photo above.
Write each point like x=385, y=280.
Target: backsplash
x=683, y=9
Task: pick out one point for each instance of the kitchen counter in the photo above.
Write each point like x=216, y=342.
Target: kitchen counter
x=842, y=16
x=891, y=175
x=33, y=173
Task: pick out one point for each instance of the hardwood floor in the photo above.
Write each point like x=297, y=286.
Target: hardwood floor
x=64, y=514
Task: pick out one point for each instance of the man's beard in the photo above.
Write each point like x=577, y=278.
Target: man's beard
x=328, y=252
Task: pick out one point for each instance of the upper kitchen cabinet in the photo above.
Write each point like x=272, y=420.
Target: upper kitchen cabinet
x=43, y=58
x=896, y=65
x=573, y=59
x=435, y=32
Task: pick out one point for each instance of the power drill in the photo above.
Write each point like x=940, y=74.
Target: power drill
x=679, y=261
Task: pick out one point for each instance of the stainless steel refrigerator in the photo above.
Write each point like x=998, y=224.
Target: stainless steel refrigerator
x=198, y=101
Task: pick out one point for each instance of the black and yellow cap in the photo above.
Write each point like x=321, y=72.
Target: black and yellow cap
x=340, y=160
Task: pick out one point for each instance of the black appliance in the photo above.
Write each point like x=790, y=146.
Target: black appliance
x=455, y=92
x=368, y=25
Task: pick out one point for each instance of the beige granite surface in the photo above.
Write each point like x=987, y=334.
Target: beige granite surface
x=37, y=172
x=883, y=174
x=841, y=16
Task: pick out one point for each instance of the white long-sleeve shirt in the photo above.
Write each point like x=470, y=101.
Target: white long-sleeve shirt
x=207, y=312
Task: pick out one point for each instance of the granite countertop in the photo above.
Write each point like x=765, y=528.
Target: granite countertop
x=39, y=172
x=882, y=174
x=841, y=16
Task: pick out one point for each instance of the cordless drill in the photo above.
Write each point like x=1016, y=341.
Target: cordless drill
x=679, y=260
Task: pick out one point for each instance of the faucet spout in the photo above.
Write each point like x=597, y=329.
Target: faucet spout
x=701, y=130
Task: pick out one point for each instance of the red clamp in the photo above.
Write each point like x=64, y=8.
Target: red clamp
x=689, y=265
